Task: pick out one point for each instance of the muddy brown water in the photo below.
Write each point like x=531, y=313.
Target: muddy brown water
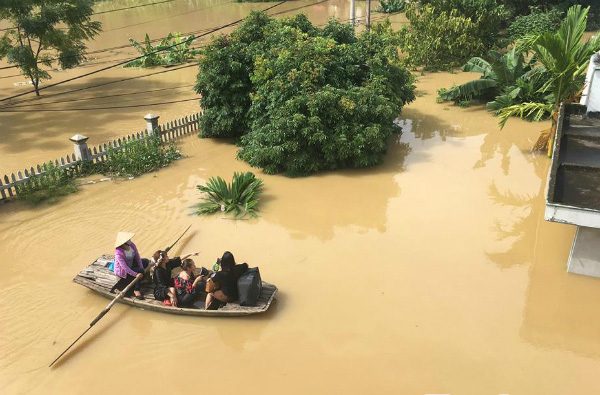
x=432, y=273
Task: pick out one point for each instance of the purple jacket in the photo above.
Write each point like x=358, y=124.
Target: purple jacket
x=121, y=268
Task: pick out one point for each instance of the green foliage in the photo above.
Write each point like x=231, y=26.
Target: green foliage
x=506, y=80
x=501, y=72
x=304, y=99
x=487, y=17
x=173, y=49
x=224, y=78
x=45, y=32
x=444, y=34
x=391, y=6
x=534, y=24
x=240, y=196
x=48, y=187
x=138, y=157
x=565, y=57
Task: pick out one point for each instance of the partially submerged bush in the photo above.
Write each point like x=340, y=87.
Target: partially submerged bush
x=391, y=6
x=445, y=33
x=534, y=24
x=48, y=187
x=139, y=156
x=241, y=196
x=173, y=49
x=307, y=99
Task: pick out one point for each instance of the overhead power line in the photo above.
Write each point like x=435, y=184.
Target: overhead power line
x=127, y=61
x=104, y=84
x=102, y=97
x=108, y=11
x=160, y=50
x=102, y=108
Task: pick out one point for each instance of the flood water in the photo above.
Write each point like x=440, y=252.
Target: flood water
x=434, y=273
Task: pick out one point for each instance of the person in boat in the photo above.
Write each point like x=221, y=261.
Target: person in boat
x=187, y=285
x=164, y=287
x=128, y=263
x=225, y=280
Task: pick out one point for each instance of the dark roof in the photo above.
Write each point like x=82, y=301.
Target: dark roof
x=575, y=173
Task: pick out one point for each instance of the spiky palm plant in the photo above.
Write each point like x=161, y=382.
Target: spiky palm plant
x=565, y=57
x=241, y=196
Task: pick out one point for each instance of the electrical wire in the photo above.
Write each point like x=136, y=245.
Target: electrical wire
x=160, y=38
x=103, y=108
x=167, y=17
x=108, y=11
x=104, y=84
x=162, y=49
x=132, y=59
x=105, y=96
x=122, y=80
x=129, y=44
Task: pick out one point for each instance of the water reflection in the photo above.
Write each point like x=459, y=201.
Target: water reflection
x=319, y=204
x=565, y=315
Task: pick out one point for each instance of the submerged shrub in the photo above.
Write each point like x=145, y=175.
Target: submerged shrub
x=173, y=49
x=445, y=33
x=391, y=6
x=54, y=183
x=241, y=196
x=223, y=79
x=307, y=99
x=138, y=157
x=534, y=24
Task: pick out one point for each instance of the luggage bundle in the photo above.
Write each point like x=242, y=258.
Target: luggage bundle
x=249, y=287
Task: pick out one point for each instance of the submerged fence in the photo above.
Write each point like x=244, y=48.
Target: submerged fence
x=168, y=131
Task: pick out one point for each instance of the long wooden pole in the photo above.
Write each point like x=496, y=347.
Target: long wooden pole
x=102, y=314
x=172, y=245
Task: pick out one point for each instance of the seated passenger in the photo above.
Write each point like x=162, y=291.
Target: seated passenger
x=225, y=280
x=128, y=264
x=164, y=289
x=187, y=285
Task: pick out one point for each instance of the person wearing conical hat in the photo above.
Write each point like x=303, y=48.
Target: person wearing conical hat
x=128, y=263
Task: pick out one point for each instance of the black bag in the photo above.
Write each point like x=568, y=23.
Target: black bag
x=249, y=287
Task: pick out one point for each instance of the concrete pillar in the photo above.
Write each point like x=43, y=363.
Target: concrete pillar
x=80, y=147
x=585, y=252
x=368, y=24
x=593, y=101
x=353, y=12
x=151, y=123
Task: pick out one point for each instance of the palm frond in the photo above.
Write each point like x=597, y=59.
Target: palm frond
x=239, y=196
x=532, y=111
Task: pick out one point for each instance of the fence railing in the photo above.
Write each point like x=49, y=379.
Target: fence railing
x=168, y=131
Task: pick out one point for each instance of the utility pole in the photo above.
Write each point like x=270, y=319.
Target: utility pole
x=353, y=12
x=368, y=15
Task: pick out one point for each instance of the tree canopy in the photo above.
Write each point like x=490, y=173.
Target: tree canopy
x=44, y=32
x=302, y=99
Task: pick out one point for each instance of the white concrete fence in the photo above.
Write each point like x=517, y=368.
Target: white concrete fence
x=81, y=152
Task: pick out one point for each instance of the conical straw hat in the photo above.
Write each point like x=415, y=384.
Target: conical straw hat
x=122, y=238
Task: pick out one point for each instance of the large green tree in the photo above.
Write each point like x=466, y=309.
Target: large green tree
x=44, y=32
x=302, y=99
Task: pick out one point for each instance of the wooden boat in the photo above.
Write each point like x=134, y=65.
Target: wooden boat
x=99, y=278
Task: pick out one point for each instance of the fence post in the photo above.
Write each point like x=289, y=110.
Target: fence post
x=151, y=123
x=80, y=147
